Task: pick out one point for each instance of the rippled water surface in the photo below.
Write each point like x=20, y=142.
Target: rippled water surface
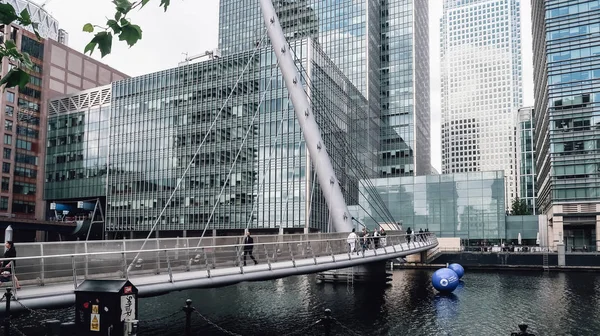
x=488, y=303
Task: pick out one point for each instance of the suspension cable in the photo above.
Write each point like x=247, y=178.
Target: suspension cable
x=343, y=147
x=268, y=164
x=236, y=157
x=180, y=180
x=381, y=203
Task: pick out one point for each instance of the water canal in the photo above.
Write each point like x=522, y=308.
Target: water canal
x=489, y=303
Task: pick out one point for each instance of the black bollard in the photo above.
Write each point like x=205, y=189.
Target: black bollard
x=523, y=331
x=7, y=317
x=327, y=322
x=52, y=327
x=188, y=309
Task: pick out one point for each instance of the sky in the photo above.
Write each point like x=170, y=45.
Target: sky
x=191, y=27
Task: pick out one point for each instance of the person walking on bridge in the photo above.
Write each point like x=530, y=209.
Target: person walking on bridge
x=352, y=242
x=248, y=247
x=9, y=265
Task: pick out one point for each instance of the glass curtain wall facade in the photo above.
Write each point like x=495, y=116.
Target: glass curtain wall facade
x=381, y=46
x=78, y=141
x=346, y=29
x=481, y=86
x=160, y=119
x=526, y=158
x=566, y=42
x=405, y=111
x=466, y=205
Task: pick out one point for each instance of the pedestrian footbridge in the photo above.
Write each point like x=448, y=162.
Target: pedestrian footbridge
x=50, y=272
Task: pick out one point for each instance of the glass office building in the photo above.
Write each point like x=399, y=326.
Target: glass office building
x=159, y=121
x=381, y=46
x=78, y=141
x=466, y=205
x=526, y=158
x=481, y=86
x=404, y=72
x=566, y=42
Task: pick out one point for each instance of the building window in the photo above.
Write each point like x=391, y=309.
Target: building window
x=32, y=47
x=27, y=159
x=8, y=125
x=25, y=104
x=37, y=94
x=21, y=187
x=37, y=81
x=7, y=139
x=23, y=207
x=6, y=167
x=5, y=183
x=22, y=144
x=4, y=203
x=9, y=110
x=7, y=153
x=10, y=97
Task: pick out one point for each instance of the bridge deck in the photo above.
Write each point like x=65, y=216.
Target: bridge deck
x=62, y=294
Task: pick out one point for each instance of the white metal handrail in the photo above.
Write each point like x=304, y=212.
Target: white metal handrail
x=196, y=248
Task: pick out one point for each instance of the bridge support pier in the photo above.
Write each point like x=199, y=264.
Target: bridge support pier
x=423, y=257
x=368, y=273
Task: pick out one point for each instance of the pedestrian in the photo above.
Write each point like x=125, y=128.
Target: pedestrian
x=9, y=265
x=376, y=238
x=248, y=247
x=408, y=234
x=383, y=240
x=352, y=242
x=364, y=237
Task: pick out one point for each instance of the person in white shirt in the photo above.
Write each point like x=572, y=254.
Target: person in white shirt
x=352, y=241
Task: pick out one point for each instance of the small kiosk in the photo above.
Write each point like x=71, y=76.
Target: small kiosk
x=106, y=307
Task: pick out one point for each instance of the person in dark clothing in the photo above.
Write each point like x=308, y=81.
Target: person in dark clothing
x=408, y=233
x=248, y=247
x=8, y=265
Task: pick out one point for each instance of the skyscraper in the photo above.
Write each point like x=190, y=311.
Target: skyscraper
x=566, y=43
x=381, y=46
x=481, y=86
x=405, y=115
x=526, y=158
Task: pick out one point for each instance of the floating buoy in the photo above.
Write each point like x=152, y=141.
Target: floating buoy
x=444, y=280
x=458, y=269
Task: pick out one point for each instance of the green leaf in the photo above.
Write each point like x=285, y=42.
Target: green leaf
x=26, y=60
x=123, y=6
x=131, y=34
x=114, y=25
x=25, y=18
x=88, y=28
x=7, y=14
x=102, y=40
x=118, y=16
x=165, y=3
x=15, y=77
x=90, y=47
x=144, y=2
x=10, y=44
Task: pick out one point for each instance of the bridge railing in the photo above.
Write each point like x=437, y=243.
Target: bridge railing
x=111, y=259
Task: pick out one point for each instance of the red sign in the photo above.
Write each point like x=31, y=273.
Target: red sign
x=127, y=290
x=86, y=305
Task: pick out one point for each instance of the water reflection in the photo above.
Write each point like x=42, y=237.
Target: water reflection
x=486, y=303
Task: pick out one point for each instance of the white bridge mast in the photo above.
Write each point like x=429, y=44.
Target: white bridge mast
x=340, y=216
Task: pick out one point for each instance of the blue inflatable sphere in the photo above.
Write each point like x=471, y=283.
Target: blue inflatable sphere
x=458, y=269
x=444, y=280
